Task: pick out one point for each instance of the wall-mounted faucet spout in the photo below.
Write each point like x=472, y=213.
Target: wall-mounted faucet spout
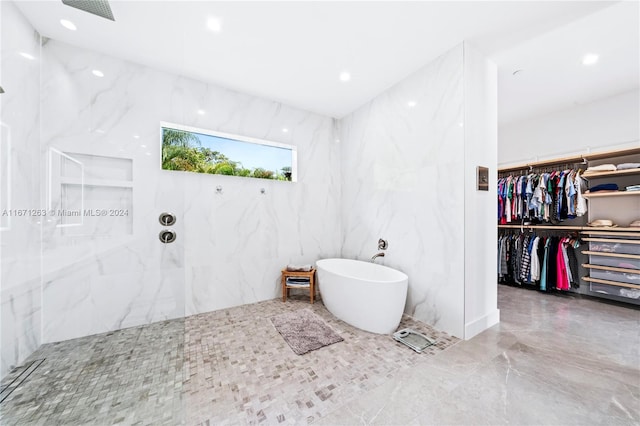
x=373, y=258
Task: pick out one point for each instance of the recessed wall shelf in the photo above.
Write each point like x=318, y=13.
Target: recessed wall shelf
x=97, y=182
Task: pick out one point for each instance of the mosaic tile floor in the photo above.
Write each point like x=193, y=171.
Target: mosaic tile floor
x=225, y=367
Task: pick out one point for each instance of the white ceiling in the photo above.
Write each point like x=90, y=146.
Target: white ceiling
x=293, y=52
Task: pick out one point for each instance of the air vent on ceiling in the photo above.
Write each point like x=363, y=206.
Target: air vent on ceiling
x=97, y=7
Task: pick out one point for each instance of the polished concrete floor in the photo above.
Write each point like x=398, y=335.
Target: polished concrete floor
x=552, y=360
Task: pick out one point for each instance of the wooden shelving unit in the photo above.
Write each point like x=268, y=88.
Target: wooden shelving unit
x=616, y=205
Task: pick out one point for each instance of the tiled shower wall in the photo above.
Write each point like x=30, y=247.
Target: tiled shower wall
x=20, y=174
x=231, y=243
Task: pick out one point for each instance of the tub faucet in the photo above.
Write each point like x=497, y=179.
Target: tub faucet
x=373, y=258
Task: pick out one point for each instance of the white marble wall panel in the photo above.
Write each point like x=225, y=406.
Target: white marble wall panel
x=20, y=235
x=403, y=180
x=231, y=245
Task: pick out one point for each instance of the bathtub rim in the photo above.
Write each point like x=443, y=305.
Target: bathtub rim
x=402, y=276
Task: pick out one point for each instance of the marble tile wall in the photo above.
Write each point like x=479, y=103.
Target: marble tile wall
x=231, y=245
x=403, y=180
x=20, y=296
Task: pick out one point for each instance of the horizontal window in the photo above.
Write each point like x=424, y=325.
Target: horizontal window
x=203, y=151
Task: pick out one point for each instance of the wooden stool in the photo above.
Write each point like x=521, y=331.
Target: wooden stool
x=312, y=282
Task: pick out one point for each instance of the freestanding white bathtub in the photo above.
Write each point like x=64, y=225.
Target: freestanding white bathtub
x=363, y=294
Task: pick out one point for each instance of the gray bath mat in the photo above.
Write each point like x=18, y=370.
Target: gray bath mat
x=304, y=331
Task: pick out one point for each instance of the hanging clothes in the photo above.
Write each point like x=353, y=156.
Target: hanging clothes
x=544, y=197
x=547, y=263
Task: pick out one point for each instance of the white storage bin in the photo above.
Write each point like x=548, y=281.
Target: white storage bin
x=621, y=248
x=620, y=277
x=618, y=262
x=631, y=293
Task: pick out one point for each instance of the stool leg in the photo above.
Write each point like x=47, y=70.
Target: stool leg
x=312, y=288
x=284, y=288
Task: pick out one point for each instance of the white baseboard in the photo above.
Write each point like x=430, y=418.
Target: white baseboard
x=479, y=325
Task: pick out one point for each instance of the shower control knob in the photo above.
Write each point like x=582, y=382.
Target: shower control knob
x=167, y=219
x=167, y=236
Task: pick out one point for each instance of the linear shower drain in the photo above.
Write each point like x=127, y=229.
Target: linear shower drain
x=18, y=376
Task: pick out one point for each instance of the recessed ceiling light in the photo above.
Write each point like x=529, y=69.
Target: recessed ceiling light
x=411, y=104
x=68, y=24
x=143, y=146
x=285, y=130
x=345, y=76
x=136, y=136
x=28, y=56
x=590, y=59
x=97, y=73
x=201, y=112
x=214, y=24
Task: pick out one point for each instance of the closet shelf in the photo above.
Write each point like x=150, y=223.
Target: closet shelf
x=612, y=268
x=97, y=182
x=591, y=230
x=629, y=172
x=611, y=240
x=559, y=227
x=572, y=159
x=608, y=282
x=612, y=194
x=607, y=254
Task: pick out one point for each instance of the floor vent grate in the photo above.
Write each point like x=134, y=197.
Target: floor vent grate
x=17, y=377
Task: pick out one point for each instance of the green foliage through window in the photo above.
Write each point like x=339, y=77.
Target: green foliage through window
x=209, y=153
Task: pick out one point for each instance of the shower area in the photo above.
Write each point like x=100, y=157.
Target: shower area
x=82, y=261
x=92, y=284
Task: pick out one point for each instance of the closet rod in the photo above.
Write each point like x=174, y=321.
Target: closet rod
x=615, y=283
x=559, y=227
